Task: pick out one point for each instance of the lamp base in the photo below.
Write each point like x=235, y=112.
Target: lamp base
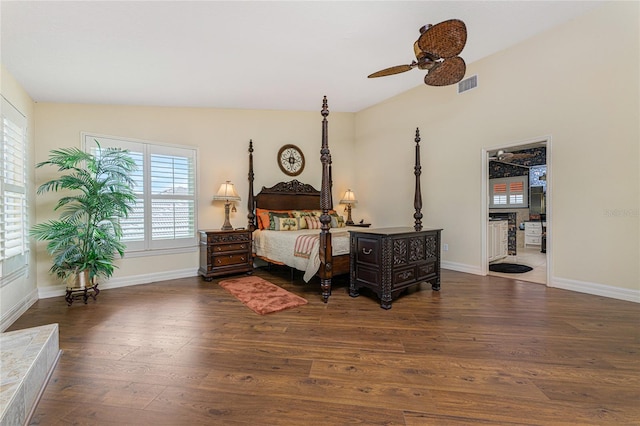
x=349, y=221
x=227, y=225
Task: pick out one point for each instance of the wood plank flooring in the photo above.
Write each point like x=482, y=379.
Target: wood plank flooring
x=483, y=350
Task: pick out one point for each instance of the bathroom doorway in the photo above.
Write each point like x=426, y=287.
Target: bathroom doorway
x=522, y=171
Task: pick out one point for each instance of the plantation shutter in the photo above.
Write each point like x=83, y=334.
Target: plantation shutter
x=516, y=192
x=500, y=193
x=164, y=215
x=13, y=189
x=172, y=196
x=133, y=225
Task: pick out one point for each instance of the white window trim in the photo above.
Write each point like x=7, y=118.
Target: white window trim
x=141, y=249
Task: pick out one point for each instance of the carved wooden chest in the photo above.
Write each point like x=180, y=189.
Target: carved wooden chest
x=388, y=260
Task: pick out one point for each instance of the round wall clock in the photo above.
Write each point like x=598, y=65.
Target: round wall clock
x=291, y=160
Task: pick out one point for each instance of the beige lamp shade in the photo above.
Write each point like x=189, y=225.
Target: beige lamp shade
x=227, y=192
x=349, y=198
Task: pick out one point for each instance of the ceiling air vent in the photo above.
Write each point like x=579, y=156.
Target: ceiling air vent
x=468, y=84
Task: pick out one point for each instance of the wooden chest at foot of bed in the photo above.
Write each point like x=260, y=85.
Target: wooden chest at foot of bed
x=389, y=260
x=224, y=252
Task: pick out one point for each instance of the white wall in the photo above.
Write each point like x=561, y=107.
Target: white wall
x=578, y=84
x=222, y=138
x=17, y=295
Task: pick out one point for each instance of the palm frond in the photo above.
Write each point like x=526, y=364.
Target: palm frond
x=87, y=234
x=66, y=158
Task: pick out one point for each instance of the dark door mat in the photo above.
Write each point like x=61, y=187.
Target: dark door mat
x=509, y=268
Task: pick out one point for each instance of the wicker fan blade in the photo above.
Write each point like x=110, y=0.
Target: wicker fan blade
x=449, y=71
x=521, y=156
x=393, y=70
x=446, y=39
x=419, y=53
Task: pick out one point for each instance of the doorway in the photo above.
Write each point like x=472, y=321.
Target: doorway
x=506, y=161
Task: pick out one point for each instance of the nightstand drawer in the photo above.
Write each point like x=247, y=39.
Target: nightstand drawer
x=226, y=237
x=229, y=259
x=230, y=247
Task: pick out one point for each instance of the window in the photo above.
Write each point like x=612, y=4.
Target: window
x=500, y=194
x=164, y=216
x=516, y=193
x=511, y=192
x=14, y=222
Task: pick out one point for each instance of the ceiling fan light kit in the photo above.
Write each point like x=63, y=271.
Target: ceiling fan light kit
x=436, y=51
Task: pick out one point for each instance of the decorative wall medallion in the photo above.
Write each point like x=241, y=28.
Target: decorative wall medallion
x=291, y=160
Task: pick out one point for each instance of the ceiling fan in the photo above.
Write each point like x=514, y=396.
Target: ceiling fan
x=436, y=51
x=505, y=157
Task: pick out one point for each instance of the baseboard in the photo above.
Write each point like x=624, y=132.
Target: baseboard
x=60, y=290
x=461, y=267
x=18, y=309
x=562, y=283
x=596, y=289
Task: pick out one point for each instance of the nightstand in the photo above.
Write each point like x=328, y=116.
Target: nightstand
x=224, y=252
x=361, y=225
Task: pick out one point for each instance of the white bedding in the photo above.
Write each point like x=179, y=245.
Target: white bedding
x=279, y=247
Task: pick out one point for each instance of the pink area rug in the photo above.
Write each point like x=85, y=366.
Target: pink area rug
x=260, y=295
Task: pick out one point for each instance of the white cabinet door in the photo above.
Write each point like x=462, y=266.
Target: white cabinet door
x=498, y=239
x=503, y=236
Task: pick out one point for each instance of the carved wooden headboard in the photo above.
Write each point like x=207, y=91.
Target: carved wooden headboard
x=292, y=195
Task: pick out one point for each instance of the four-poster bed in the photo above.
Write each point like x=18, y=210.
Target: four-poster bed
x=292, y=205
x=295, y=195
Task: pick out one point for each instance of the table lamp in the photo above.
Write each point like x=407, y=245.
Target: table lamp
x=349, y=199
x=228, y=194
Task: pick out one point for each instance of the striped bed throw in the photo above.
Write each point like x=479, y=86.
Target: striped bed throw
x=304, y=244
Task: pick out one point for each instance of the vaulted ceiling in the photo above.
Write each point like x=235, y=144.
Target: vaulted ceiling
x=245, y=54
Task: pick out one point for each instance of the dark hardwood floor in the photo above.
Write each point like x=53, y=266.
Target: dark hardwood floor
x=484, y=350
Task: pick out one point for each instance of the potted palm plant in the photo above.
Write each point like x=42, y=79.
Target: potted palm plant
x=86, y=238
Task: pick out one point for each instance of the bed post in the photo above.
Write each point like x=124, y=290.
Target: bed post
x=251, y=223
x=417, y=198
x=326, y=204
